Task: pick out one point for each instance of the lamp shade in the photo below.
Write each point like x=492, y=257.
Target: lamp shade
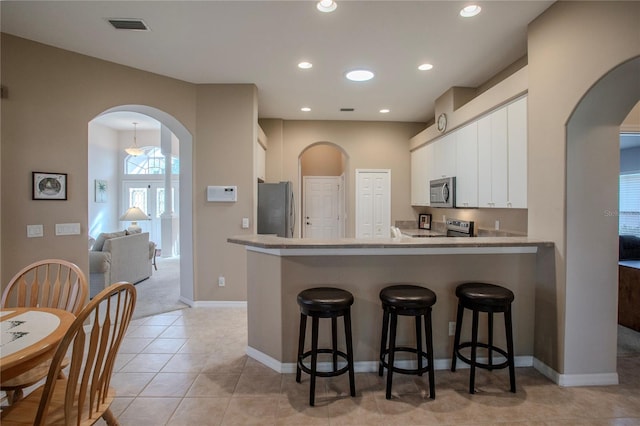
x=134, y=214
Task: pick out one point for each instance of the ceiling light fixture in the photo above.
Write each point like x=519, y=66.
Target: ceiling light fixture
x=469, y=11
x=385, y=110
x=133, y=149
x=305, y=109
x=305, y=65
x=359, y=75
x=425, y=67
x=326, y=6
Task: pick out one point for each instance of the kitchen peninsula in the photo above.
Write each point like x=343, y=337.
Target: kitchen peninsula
x=279, y=268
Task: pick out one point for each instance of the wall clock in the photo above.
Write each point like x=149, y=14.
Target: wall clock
x=442, y=122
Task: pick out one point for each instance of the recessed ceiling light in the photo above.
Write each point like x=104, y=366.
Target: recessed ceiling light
x=469, y=11
x=326, y=6
x=359, y=75
x=305, y=109
x=305, y=65
x=425, y=67
x=385, y=110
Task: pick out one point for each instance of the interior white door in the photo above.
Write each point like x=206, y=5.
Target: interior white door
x=321, y=207
x=373, y=203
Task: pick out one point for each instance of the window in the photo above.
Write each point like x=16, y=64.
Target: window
x=629, y=212
x=151, y=162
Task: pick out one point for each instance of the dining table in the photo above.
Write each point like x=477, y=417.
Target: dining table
x=29, y=336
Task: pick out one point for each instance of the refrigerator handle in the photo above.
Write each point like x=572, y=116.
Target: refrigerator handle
x=293, y=214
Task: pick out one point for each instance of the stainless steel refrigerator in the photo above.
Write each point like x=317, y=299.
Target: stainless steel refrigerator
x=276, y=209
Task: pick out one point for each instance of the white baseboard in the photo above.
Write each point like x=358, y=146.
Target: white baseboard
x=219, y=304
x=570, y=380
x=186, y=301
x=372, y=366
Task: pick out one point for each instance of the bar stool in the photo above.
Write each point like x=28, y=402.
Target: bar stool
x=489, y=298
x=406, y=300
x=325, y=302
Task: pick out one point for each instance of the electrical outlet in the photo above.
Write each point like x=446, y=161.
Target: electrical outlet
x=452, y=328
x=497, y=225
x=221, y=281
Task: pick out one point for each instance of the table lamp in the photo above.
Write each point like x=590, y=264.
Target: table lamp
x=134, y=214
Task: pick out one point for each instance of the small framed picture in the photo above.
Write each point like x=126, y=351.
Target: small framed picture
x=424, y=221
x=49, y=186
x=101, y=191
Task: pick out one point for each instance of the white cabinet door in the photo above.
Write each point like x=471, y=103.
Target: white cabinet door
x=492, y=160
x=467, y=166
x=420, y=175
x=445, y=156
x=517, y=136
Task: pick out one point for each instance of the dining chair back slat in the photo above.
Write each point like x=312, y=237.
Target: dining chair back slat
x=51, y=283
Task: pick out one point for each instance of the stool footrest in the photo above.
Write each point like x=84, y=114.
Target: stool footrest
x=415, y=371
x=486, y=366
x=332, y=373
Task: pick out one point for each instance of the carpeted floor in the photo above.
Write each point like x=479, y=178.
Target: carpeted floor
x=161, y=292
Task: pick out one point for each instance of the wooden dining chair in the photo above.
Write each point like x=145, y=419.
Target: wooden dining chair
x=85, y=395
x=49, y=283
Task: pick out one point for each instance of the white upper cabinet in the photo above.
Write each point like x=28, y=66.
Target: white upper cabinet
x=502, y=157
x=492, y=160
x=444, y=164
x=467, y=166
x=488, y=157
x=517, y=155
x=421, y=170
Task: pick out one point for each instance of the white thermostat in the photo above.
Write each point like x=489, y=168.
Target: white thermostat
x=222, y=193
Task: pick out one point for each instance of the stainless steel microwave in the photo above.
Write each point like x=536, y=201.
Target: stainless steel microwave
x=442, y=192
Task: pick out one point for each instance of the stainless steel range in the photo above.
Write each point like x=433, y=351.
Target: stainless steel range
x=459, y=228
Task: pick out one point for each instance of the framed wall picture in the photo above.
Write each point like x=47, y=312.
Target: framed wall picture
x=424, y=221
x=48, y=186
x=100, y=191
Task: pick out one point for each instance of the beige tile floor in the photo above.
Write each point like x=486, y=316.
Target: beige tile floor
x=189, y=367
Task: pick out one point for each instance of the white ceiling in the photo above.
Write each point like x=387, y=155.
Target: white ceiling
x=261, y=42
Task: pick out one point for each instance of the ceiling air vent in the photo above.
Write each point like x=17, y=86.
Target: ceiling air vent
x=347, y=109
x=128, y=24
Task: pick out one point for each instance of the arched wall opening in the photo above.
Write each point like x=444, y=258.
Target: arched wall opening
x=185, y=138
x=592, y=175
x=323, y=159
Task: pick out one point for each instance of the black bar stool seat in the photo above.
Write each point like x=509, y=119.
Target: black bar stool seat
x=325, y=302
x=489, y=298
x=406, y=300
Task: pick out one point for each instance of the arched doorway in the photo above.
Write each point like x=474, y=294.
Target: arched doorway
x=322, y=170
x=186, y=192
x=592, y=234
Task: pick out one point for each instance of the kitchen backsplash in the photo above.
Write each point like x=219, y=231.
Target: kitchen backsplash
x=511, y=222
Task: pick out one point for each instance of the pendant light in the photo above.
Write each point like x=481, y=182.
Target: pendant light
x=133, y=149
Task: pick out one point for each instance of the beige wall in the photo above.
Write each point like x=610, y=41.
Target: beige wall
x=567, y=57
x=321, y=160
x=227, y=119
x=367, y=145
x=53, y=94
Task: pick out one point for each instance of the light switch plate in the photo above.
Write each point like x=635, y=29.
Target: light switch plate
x=245, y=222
x=34, y=231
x=67, y=229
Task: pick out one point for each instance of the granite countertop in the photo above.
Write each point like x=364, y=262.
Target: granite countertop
x=275, y=242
